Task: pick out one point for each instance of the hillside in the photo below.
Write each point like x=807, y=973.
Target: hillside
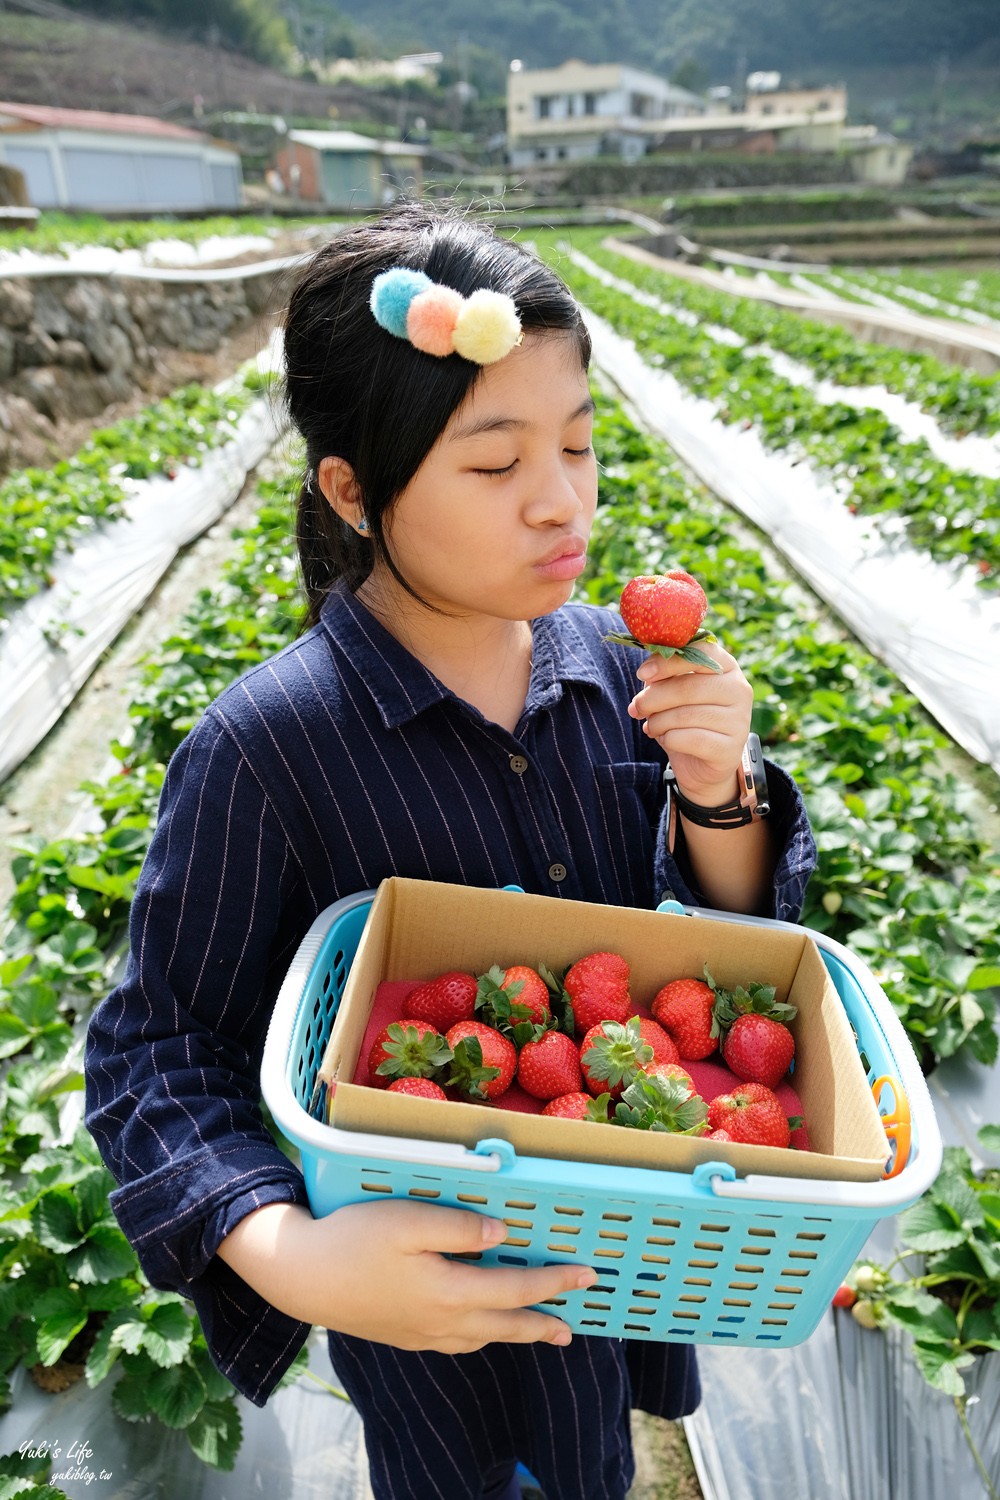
x=90, y=64
x=718, y=34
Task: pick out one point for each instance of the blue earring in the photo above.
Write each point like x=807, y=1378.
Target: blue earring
x=362, y=526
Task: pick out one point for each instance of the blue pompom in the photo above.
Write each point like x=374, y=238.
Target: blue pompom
x=392, y=293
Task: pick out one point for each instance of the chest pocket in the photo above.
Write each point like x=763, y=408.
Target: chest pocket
x=630, y=794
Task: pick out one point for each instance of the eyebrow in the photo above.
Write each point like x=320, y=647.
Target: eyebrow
x=515, y=424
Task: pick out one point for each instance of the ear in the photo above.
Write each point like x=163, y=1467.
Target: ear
x=341, y=490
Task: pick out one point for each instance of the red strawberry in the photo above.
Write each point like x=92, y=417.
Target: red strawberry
x=596, y=988
x=759, y=1049
x=844, y=1296
x=751, y=1113
x=684, y=1008
x=444, y=1000
x=406, y=1049
x=484, y=1061
x=665, y=609
x=578, y=1106
x=611, y=1055
x=669, y=1070
x=550, y=1066
x=420, y=1088
x=717, y=1135
x=510, y=999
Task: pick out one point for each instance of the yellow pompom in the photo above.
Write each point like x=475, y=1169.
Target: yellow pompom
x=487, y=327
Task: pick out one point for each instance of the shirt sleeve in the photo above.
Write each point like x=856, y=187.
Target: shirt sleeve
x=173, y=1054
x=795, y=863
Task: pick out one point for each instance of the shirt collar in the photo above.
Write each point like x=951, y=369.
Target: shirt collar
x=402, y=687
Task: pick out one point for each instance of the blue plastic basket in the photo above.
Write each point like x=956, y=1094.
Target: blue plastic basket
x=704, y=1257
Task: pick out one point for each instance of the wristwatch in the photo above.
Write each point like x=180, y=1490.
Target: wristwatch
x=753, y=800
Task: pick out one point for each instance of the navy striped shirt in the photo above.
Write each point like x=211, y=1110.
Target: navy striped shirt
x=339, y=762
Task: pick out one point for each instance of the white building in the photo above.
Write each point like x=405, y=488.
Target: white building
x=110, y=163
x=579, y=110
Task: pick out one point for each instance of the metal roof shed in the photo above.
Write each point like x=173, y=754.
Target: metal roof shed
x=348, y=170
x=112, y=163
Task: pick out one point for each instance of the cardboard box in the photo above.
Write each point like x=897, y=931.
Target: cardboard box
x=417, y=929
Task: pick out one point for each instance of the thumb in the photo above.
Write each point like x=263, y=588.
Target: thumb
x=452, y=1231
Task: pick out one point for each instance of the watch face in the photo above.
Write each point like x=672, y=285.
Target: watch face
x=753, y=779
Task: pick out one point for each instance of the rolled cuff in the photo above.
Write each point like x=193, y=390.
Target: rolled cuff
x=795, y=863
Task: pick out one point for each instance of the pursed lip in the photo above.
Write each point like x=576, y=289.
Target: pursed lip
x=567, y=546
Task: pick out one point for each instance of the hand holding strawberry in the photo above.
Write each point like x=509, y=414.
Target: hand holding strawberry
x=695, y=702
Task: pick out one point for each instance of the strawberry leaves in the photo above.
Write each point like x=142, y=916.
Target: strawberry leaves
x=690, y=652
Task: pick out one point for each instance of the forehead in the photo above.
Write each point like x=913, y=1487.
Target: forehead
x=542, y=380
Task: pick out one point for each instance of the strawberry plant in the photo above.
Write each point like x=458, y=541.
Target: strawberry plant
x=959, y=397
x=943, y=1285
x=905, y=876
x=44, y=512
x=952, y=514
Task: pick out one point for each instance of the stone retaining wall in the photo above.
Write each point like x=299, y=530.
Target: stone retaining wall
x=72, y=346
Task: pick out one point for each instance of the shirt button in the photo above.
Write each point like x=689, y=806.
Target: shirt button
x=518, y=764
x=557, y=872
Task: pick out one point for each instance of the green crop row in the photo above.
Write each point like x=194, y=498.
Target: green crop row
x=71, y=1283
x=921, y=291
x=44, y=512
x=961, y=399
x=952, y=514
x=904, y=877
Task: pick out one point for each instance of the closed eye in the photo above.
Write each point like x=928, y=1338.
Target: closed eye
x=580, y=452
x=496, y=473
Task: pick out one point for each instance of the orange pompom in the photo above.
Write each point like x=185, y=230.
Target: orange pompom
x=430, y=322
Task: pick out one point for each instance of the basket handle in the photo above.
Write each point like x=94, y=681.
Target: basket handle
x=896, y=1123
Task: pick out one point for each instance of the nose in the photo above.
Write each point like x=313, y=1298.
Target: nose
x=561, y=493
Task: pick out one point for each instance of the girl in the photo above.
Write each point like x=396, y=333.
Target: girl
x=446, y=716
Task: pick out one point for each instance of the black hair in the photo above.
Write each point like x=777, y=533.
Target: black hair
x=359, y=393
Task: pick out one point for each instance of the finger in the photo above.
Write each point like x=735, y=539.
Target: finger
x=452, y=1231
x=656, y=667
x=510, y=1287
x=523, y=1327
x=721, y=728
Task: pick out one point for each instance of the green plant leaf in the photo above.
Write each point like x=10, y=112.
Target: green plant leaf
x=216, y=1432
x=53, y=1334
x=989, y=1138
x=941, y=1367
x=928, y=1226
x=168, y=1334
x=56, y=1221
x=217, y=1386
x=176, y=1394
x=105, y=1255
x=130, y=1393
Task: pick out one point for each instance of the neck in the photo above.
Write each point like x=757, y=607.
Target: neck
x=483, y=659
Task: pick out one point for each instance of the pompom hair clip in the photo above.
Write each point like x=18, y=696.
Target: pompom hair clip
x=440, y=321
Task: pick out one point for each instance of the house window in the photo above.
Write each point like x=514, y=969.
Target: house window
x=561, y=153
x=590, y=104
x=544, y=106
x=540, y=153
x=823, y=104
